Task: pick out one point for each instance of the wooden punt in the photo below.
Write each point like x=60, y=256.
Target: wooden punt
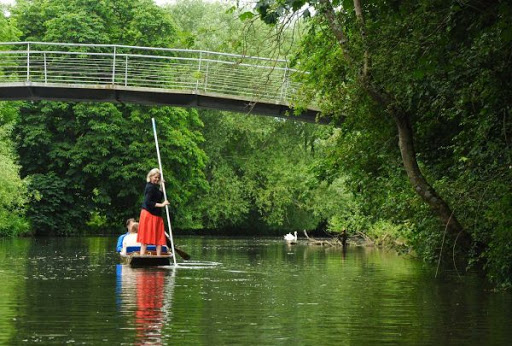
x=150, y=258
x=136, y=260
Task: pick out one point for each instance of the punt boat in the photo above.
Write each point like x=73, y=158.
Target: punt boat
x=133, y=257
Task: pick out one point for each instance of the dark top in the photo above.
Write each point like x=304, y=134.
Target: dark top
x=152, y=195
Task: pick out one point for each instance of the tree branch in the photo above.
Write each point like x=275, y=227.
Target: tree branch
x=328, y=11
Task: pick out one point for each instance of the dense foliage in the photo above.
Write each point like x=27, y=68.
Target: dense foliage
x=258, y=168
x=87, y=163
x=92, y=159
x=440, y=70
x=219, y=27
x=13, y=193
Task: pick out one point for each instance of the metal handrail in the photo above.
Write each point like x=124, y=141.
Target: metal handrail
x=257, y=79
x=136, y=47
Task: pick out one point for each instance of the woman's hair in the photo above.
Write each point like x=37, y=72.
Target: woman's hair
x=151, y=173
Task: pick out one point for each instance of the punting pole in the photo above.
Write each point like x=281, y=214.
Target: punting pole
x=165, y=194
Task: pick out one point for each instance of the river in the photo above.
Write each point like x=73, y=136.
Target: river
x=240, y=291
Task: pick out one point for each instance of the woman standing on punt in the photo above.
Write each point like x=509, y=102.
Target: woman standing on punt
x=151, y=224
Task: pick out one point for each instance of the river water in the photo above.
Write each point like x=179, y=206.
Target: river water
x=240, y=291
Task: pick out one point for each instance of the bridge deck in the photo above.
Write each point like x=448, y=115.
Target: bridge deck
x=147, y=96
x=153, y=76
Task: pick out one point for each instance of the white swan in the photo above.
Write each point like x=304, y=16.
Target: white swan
x=291, y=237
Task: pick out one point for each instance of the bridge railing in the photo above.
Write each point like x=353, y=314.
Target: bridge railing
x=193, y=71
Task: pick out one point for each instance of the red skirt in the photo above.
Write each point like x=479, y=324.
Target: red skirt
x=151, y=229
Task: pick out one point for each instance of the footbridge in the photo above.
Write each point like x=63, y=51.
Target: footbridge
x=152, y=76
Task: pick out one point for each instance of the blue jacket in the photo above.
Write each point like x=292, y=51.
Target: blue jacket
x=119, y=246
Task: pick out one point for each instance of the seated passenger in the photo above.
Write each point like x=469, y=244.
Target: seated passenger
x=129, y=224
x=131, y=238
x=130, y=244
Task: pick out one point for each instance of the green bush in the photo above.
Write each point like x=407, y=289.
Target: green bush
x=13, y=191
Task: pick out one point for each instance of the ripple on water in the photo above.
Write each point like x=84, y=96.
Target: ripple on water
x=239, y=291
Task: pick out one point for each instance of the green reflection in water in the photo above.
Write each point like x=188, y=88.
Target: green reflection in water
x=13, y=260
x=242, y=291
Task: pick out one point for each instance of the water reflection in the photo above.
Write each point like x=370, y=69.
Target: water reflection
x=58, y=291
x=149, y=292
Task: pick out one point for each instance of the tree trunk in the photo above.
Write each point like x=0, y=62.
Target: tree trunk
x=403, y=123
x=418, y=181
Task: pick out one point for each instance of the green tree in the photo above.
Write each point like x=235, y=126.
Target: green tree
x=435, y=75
x=90, y=160
x=258, y=168
x=13, y=192
x=219, y=27
x=139, y=23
